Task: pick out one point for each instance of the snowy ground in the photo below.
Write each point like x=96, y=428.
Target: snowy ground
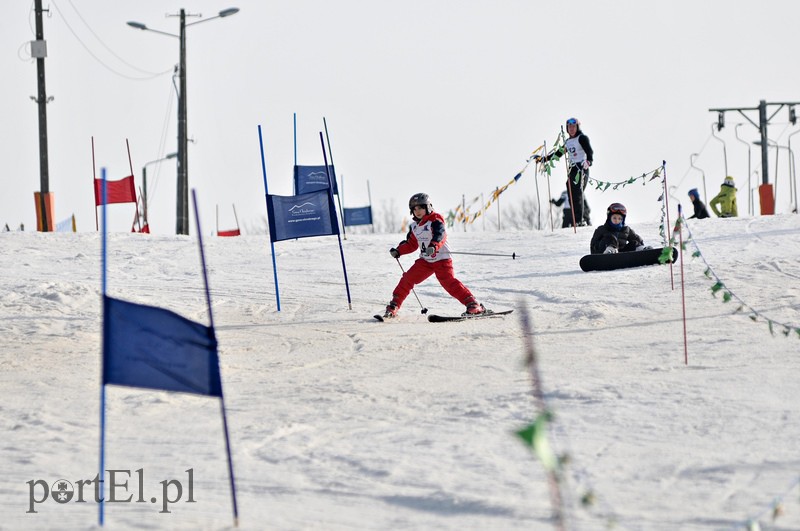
x=340, y=422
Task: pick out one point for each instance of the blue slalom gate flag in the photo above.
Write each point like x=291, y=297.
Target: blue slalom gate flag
x=358, y=216
x=313, y=178
x=301, y=216
x=155, y=348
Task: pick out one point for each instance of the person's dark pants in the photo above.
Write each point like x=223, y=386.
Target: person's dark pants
x=576, y=191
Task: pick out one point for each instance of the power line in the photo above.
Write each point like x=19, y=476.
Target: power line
x=123, y=61
x=162, y=141
x=96, y=58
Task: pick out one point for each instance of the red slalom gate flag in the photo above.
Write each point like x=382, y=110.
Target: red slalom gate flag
x=121, y=191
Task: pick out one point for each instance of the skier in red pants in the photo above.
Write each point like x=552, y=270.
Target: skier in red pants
x=427, y=234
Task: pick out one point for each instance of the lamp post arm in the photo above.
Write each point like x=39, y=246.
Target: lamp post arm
x=222, y=14
x=140, y=26
x=144, y=179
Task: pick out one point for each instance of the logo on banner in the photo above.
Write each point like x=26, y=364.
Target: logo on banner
x=303, y=209
x=307, y=211
x=318, y=177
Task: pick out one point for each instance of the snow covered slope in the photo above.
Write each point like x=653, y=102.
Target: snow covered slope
x=340, y=422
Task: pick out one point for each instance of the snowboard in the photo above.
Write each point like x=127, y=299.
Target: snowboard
x=608, y=262
x=452, y=318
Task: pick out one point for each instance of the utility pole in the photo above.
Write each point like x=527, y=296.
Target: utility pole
x=39, y=51
x=765, y=190
x=182, y=207
x=182, y=225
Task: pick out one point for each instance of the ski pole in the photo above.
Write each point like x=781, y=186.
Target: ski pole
x=424, y=309
x=513, y=255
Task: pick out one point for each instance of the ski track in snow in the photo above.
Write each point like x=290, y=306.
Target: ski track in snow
x=341, y=422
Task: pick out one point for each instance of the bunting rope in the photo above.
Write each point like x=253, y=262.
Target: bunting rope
x=775, y=510
x=461, y=214
x=728, y=295
x=605, y=185
x=535, y=436
x=559, y=148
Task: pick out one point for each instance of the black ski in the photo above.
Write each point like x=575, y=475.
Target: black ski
x=452, y=318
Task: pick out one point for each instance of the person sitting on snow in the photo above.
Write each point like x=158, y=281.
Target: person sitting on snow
x=724, y=204
x=700, y=210
x=614, y=236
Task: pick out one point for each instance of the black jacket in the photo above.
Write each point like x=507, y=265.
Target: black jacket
x=700, y=210
x=622, y=240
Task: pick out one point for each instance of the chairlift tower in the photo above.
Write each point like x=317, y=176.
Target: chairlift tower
x=767, y=205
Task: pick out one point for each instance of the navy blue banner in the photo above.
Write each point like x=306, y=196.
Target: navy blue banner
x=154, y=348
x=313, y=178
x=358, y=216
x=301, y=216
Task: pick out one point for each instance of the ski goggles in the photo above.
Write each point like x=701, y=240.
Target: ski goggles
x=572, y=121
x=617, y=208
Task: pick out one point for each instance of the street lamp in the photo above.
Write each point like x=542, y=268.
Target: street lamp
x=144, y=180
x=182, y=207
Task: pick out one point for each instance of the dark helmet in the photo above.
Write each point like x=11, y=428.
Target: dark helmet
x=694, y=193
x=617, y=208
x=574, y=121
x=420, y=200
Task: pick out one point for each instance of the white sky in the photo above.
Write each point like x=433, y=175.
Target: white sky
x=444, y=97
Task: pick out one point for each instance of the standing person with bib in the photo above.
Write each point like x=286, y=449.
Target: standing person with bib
x=579, y=158
x=428, y=236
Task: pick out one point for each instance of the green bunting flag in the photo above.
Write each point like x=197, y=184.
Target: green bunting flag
x=535, y=436
x=666, y=255
x=605, y=185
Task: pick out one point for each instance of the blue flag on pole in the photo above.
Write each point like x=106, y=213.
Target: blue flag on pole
x=301, y=216
x=154, y=348
x=358, y=216
x=313, y=178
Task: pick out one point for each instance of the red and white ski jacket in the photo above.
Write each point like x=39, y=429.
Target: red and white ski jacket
x=429, y=231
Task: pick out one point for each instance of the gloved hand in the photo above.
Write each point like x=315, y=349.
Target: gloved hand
x=644, y=247
x=553, y=201
x=394, y=252
x=585, y=164
x=430, y=250
x=537, y=158
x=610, y=250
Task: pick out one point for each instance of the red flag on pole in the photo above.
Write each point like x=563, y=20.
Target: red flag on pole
x=121, y=191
